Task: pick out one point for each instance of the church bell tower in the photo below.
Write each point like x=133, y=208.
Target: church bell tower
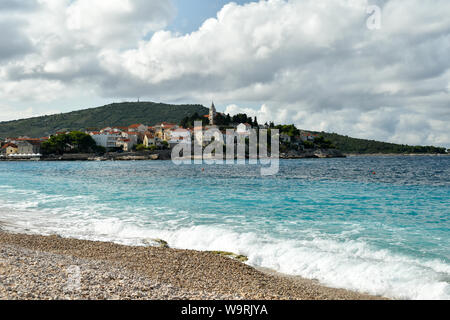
x=212, y=114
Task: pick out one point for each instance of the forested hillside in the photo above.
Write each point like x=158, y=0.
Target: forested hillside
x=116, y=114
x=353, y=145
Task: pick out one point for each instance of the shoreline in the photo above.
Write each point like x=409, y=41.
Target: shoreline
x=35, y=267
x=349, y=155
x=158, y=157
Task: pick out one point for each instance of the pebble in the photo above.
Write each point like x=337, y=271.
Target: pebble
x=54, y=268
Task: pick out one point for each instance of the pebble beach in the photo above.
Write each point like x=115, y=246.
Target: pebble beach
x=36, y=267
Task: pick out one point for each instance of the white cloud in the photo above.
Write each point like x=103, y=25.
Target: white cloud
x=116, y=23
x=9, y=113
x=264, y=114
x=66, y=37
x=398, y=125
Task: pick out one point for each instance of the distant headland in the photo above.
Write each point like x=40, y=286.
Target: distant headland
x=139, y=129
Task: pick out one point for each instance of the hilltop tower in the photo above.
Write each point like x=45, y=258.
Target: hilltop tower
x=212, y=114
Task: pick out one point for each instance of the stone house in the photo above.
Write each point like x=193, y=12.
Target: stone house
x=29, y=146
x=9, y=148
x=149, y=139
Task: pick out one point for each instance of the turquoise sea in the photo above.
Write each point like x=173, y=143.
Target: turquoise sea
x=333, y=220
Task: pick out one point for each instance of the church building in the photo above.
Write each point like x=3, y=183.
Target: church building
x=212, y=114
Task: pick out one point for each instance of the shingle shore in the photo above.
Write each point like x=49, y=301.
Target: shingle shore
x=42, y=267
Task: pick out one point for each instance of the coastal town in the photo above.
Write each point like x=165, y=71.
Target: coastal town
x=140, y=137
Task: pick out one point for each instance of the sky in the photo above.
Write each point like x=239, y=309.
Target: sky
x=376, y=69
x=190, y=14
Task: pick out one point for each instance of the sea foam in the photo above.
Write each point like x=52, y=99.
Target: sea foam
x=353, y=265
x=320, y=219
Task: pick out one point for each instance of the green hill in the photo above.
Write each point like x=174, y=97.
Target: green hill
x=353, y=145
x=116, y=114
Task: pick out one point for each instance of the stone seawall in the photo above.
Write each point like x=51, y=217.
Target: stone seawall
x=167, y=155
x=312, y=154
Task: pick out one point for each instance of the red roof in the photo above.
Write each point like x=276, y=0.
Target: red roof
x=181, y=130
x=9, y=145
x=134, y=126
x=27, y=139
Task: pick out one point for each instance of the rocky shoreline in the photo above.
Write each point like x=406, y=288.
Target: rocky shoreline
x=167, y=155
x=312, y=154
x=397, y=154
x=39, y=267
x=125, y=156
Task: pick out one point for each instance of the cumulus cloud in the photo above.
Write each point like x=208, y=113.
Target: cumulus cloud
x=9, y=113
x=52, y=46
x=116, y=23
x=308, y=62
x=385, y=124
x=17, y=5
x=13, y=41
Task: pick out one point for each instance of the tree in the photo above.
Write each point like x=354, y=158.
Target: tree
x=323, y=143
x=165, y=144
x=308, y=145
x=81, y=142
x=242, y=118
x=74, y=142
x=290, y=130
x=140, y=147
x=220, y=120
x=188, y=122
x=185, y=122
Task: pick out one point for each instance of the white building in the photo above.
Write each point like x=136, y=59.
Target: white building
x=307, y=136
x=125, y=144
x=106, y=139
x=149, y=139
x=163, y=130
x=132, y=136
x=138, y=128
x=180, y=136
x=243, y=128
x=285, y=138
